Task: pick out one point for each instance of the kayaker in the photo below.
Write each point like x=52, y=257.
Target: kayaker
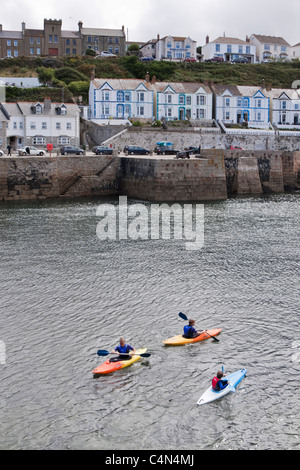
x=218, y=383
x=123, y=349
x=189, y=331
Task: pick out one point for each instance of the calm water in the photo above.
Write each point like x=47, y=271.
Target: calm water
x=65, y=294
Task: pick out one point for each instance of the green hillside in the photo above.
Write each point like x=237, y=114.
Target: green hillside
x=66, y=78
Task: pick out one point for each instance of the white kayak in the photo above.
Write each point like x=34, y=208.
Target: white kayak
x=233, y=379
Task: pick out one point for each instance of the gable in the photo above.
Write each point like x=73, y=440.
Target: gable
x=168, y=89
x=106, y=86
x=259, y=94
x=141, y=87
x=283, y=96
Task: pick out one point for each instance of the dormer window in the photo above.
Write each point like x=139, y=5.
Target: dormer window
x=37, y=108
x=62, y=109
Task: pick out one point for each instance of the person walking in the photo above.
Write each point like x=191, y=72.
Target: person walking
x=8, y=150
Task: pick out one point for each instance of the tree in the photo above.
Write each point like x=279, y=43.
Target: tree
x=45, y=75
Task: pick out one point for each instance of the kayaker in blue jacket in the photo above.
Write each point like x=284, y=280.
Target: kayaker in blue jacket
x=123, y=350
x=218, y=383
x=189, y=331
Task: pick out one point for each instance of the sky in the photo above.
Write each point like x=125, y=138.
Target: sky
x=144, y=20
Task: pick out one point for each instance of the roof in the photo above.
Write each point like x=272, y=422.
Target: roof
x=11, y=35
x=271, y=39
x=121, y=83
x=177, y=38
x=185, y=87
x=102, y=32
x=23, y=108
x=227, y=40
x=70, y=34
x=220, y=89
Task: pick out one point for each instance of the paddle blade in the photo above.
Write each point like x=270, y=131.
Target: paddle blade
x=145, y=355
x=183, y=316
x=102, y=352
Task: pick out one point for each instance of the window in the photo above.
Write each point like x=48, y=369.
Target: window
x=57, y=126
x=8, y=53
x=169, y=98
x=20, y=125
x=217, y=47
x=38, y=109
x=247, y=49
x=259, y=103
x=32, y=125
x=15, y=125
x=55, y=37
x=127, y=96
x=15, y=43
x=188, y=100
x=8, y=43
x=141, y=96
x=38, y=40
x=62, y=140
x=227, y=101
x=141, y=110
x=228, y=48
x=240, y=49
x=16, y=53
x=44, y=125
x=239, y=102
x=74, y=42
x=38, y=51
x=283, y=48
x=116, y=50
x=117, y=40
x=32, y=50
x=89, y=39
x=181, y=99
x=267, y=47
x=68, y=51
x=50, y=38
x=74, y=51
x=67, y=42
x=69, y=126
x=31, y=40
x=38, y=140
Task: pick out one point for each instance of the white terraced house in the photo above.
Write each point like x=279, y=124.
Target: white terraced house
x=182, y=101
x=228, y=49
x=40, y=123
x=270, y=47
x=285, y=107
x=120, y=99
x=242, y=104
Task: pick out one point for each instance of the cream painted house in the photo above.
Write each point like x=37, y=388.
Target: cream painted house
x=270, y=47
x=228, y=49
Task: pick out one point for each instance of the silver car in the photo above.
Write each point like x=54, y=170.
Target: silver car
x=29, y=150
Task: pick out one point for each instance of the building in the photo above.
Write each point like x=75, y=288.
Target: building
x=285, y=104
x=170, y=48
x=121, y=99
x=192, y=101
x=242, y=104
x=38, y=124
x=229, y=49
x=52, y=40
x=270, y=47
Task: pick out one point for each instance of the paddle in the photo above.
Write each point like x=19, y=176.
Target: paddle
x=184, y=317
x=103, y=352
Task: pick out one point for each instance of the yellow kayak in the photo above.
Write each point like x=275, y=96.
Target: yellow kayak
x=107, y=367
x=179, y=340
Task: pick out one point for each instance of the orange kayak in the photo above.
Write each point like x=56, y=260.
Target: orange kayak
x=108, y=367
x=180, y=340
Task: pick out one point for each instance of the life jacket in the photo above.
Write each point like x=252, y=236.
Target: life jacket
x=186, y=331
x=214, y=383
x=123, y=349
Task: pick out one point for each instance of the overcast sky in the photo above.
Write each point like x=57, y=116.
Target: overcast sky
x=143, y=20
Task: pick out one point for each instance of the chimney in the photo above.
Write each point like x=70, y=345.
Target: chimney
x=247, y=39
x=47, y=104
x=153, y=80
x=147, y=77
x=80, y=24
x=207, y=39
x=158, y=37
x=269, y=87
x=23, y=28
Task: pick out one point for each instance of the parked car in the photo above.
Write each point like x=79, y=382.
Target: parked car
x=28, y=150
x=240, y=60
x=183, y=154
x=136, y=150
x=146, y=59
x=69, y=149
x=215, y=59
x=103, y=150
x=106, y=54
x=165, y=150
x=193, y=150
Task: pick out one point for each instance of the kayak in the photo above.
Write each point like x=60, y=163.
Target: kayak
x=108, y=367
x=233, y=379
x=180, y=340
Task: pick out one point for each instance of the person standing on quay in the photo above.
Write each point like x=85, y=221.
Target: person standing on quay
x=8, y=150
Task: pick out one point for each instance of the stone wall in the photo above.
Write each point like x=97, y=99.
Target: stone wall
x=174, y=180
x=64, y=176
x=207, y=138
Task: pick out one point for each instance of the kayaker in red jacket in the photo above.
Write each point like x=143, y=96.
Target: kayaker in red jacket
x=218, y=383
